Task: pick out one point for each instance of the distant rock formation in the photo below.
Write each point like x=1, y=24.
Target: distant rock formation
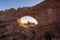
x=47, y=14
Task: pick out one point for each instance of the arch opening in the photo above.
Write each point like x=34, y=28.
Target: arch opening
x=27, y=21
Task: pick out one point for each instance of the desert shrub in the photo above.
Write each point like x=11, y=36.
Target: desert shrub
x=2, y=24
x=33, y=34
x=2, y=36
x=1, y=21
x=13, y=39
x=48, y=36
x=25, y=37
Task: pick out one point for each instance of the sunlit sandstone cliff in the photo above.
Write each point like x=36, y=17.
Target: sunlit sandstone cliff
x=47, y=13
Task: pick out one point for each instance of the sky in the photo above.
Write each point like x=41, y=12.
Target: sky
x=25, y=19
x=7, y=4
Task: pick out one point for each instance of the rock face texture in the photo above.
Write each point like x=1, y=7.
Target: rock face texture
x=47, y=14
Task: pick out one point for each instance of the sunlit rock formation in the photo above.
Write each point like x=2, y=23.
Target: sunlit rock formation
x=47, y=14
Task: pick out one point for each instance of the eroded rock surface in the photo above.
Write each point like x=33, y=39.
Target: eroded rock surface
x=47, y=14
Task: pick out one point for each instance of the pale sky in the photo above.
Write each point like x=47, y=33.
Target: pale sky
x=25, y=19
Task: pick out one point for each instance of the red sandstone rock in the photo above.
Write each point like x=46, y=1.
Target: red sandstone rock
x=46, y=13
